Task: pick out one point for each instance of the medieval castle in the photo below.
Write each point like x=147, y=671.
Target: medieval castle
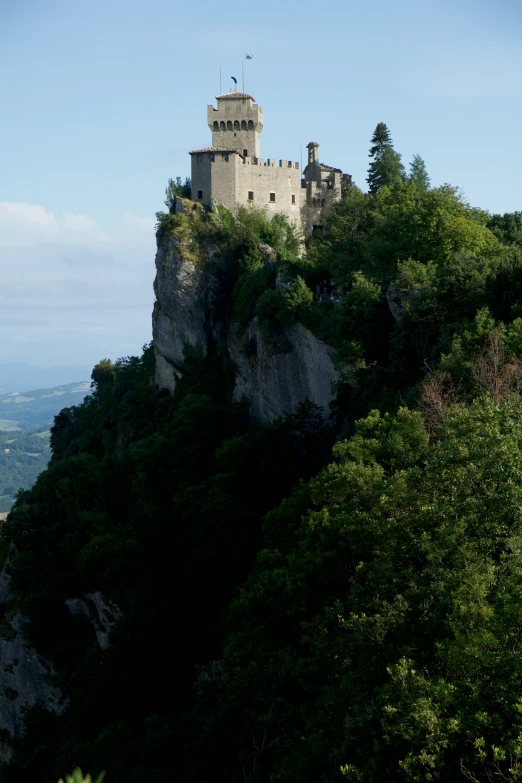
x=232, y=172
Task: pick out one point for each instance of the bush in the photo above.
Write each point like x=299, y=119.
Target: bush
x=175, y=188
x=298, y=300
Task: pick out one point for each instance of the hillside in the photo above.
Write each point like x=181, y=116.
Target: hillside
x=36, y=408
x=25, y=422
x=23, y=456
x=216, y=579
x=23, y=377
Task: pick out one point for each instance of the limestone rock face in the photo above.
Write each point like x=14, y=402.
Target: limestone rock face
x=179, y=311
x=399, y=301
x=24, y=674
x=102, y=614
x=275, y=383
x=188, y=310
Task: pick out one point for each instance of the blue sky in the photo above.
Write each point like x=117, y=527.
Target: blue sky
x=102, y=99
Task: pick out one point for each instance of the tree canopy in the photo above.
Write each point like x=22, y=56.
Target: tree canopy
x=322, y=598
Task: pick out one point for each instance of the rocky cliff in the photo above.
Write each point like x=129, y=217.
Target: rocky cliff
x=188, y=311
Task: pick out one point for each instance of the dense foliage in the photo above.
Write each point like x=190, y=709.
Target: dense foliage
x=294, y=609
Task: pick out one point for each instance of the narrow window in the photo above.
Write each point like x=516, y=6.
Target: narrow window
x=293, y=198
x=245, y=153
x=200, y=195
x=222, y=126
x=250, y=125
x=229, y=125
x=216, y=125
x=243, y=125
x=212, y=157
x=250, y=195
x=272, y=197
x=236, y=125
x=225, y=158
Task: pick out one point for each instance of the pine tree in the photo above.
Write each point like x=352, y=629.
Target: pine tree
x=419, y=174
x=386, y=167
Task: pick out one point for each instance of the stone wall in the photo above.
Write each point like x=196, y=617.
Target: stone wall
x=237, y=122
x=228, y=178
x=201, y=173
x=262, y=179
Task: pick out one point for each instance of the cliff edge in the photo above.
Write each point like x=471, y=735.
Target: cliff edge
x=191, y=309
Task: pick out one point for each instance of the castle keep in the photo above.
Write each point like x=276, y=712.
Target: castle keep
x=232, y=172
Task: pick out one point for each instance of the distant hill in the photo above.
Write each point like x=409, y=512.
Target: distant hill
x=21, y=377
x=36, y=409
x=23, y=452
x=22, y=457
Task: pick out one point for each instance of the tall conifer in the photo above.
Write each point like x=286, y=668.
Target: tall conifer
x=419, y=174
x=386, y=167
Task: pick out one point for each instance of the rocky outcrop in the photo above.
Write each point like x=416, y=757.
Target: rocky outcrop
x=179, y=311
x=275, y=383
x=102, y=614
x=188, y=310
x=399, y=301
x=24, y=674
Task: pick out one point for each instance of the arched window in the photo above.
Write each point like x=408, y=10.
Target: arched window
x=216, y=125
x=222, y=126
x=236, y=124
x=251, y=125
x=243, y=125
x=229, y=125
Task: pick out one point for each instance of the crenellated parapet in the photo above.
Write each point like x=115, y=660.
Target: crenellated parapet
x=237, y=121
x=232, y=172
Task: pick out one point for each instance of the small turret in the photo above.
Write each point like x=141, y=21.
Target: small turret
x=313, y=152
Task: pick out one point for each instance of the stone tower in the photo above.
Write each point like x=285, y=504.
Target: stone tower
x=236, y=123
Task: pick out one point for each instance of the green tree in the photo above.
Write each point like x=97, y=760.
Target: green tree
x=176, y=187
x=419, y=174
x=377, y=634
x=298, y=299
x=386, y=167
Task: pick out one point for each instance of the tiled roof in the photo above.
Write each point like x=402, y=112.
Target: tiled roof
x=229, y=96
x=214, y=149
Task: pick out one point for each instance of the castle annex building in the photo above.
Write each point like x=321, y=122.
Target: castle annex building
x=232, y=172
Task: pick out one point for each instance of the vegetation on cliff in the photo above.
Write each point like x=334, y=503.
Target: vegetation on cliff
x=294, y=609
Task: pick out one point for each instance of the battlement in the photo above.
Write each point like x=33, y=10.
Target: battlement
x=232, y=172
x=271, y=163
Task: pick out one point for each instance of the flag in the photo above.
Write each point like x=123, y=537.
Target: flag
x=248, y=56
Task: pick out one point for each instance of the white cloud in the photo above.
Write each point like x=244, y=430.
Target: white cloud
x=23, y=224
x=134, y=221
x=69, y=291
